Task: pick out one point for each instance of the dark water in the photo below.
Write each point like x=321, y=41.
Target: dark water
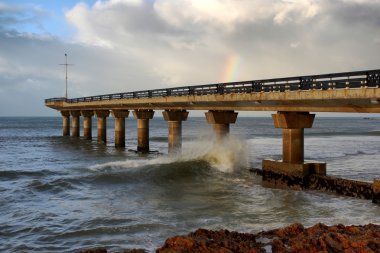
x=60, y=194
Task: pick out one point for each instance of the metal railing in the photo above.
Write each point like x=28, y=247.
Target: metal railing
x=345, y=80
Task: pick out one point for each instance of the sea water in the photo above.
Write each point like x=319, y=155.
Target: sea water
x=62, y=194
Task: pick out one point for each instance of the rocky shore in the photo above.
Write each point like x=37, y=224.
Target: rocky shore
x=293, y=238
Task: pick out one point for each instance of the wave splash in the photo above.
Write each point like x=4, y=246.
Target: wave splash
x=225, y=155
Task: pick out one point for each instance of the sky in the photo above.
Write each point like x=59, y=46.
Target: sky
x=127, y=45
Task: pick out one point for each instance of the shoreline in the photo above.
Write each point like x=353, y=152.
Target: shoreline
x=290, y=239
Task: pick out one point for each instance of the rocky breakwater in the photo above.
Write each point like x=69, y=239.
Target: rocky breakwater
x=294, y=238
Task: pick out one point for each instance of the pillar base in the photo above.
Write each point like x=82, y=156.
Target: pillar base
x=290, y=175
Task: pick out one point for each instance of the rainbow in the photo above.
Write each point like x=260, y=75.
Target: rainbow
x=230, y=69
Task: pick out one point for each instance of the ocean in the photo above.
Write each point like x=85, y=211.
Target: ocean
x=62, y=194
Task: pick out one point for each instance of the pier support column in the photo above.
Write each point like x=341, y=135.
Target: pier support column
x=102, y=125
x=292, y=169
x=66, y=122
x=87, y=124
x=120, y=116
x=221, y=121
x=75, y=126
x=174, y=119
x=143, y=118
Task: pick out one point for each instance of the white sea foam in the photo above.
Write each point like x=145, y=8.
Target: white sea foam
x=225, y=156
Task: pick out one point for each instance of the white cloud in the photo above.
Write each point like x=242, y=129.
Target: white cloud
x=295, y=44
x=124, y=45
x=296, y=11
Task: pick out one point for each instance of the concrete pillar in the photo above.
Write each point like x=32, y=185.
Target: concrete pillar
x=120, y=116
x=102, y=124
x=221, y=121
x=293, y=124
x=87, y=124
x=143, y=118
x=174, y=119
x=66, y=122
x=292, y=171
x=293, y=145
x=75, y=126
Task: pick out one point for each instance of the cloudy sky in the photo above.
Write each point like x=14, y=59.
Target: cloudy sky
x=126, y=45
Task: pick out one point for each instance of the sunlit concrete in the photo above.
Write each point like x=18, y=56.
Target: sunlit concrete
x=143, y=117
x=102, y=124
x=87, y=124
x=65, y=123
x=75, y=130
x=120, y=116
x=360, y=100
x=221, y=121
x=174, y=119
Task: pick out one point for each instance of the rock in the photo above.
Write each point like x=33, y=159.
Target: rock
x=293, y=238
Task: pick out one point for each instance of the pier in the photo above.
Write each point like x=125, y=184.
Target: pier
x=296, y=100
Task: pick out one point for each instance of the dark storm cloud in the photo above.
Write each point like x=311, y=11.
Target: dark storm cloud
x=355, y=13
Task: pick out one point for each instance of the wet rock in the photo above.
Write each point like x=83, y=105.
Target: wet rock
x=293, y=238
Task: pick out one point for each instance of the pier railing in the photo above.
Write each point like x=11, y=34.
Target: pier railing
x=345, y=80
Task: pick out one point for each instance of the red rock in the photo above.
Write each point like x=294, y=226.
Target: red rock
x=292, y=239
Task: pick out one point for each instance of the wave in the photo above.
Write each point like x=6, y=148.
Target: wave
x=225, y=156
x=54, y=186
x=16, y=174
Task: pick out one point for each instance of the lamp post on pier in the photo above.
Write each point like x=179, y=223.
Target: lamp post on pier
x=66, y=64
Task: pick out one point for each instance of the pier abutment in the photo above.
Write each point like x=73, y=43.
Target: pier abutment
x=87, y=124
x=66, y=122
x=102, y=124
x=221, y=121
x=75, y=131
x=292, y=170
x=143, y=117
x=120, y=116
x=174, y=119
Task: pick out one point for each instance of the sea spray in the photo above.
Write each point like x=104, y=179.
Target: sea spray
x=224, y=155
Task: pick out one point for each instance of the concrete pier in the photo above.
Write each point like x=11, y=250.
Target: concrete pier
x=75, y=126
x=221, y=121
x=66, y=122
x=87, y=124
x=120, y=116
x=143, y=117
x=102, y=124
x=174, y=119
x=292, y=169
